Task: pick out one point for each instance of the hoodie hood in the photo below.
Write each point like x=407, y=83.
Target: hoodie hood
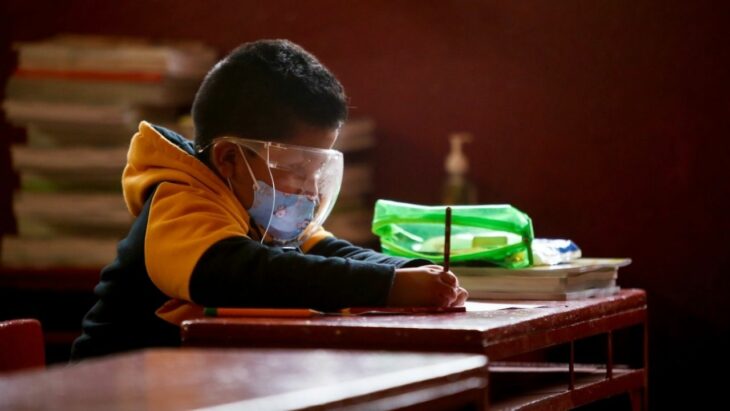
x=158, y=155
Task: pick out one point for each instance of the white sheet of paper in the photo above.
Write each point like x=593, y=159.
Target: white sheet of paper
x=482, y=306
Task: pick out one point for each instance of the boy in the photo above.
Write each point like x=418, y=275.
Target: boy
x=234, y=220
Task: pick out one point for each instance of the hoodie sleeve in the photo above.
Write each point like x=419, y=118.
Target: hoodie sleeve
x=240, y=271
x=196, y=249
x=333, y=247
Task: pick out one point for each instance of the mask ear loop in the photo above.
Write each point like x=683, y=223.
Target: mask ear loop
x=273, y=189
x=250, y=172
x=256, y=186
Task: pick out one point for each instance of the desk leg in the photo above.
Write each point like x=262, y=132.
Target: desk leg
x=637, y=400
x=609, y=355
x=645, y=391
x=640, y=397
x=571, y=366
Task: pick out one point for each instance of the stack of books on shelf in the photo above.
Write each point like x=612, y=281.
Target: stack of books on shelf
x=577, y=279
x=352, y=215
x=80, y=99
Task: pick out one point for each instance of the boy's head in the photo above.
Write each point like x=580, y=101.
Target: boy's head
x=252, y=113
x=271, y=90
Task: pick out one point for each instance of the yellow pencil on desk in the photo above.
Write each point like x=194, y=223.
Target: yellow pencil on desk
x=260, y=312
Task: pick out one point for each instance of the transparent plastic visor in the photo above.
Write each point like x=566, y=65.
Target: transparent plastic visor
x=294, y=189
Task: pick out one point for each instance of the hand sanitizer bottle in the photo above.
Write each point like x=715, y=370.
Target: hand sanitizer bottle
x=457, y=188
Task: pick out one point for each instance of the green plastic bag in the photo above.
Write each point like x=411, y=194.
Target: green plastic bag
x=492, y=234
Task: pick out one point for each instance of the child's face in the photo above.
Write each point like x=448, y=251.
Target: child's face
x=301, y=173
x=296, y=178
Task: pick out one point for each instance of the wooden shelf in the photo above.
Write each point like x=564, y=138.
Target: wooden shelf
x=546, y=387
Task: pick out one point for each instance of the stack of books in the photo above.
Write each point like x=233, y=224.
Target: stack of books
x=577, y=279
x=80, y=99
x=353, y=213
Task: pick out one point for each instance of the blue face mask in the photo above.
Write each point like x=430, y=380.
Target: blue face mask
x=291, y=214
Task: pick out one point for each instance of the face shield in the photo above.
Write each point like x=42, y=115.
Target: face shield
x=295, y=188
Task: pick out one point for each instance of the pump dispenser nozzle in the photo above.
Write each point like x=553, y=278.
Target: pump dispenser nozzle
x=456, y=161
x=457, y=189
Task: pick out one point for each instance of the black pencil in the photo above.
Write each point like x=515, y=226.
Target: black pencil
x=447, y=238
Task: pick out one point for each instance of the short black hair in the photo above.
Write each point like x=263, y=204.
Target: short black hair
x=262, y=90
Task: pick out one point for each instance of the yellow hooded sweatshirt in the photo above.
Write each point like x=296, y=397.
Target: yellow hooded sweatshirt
x=189, y=247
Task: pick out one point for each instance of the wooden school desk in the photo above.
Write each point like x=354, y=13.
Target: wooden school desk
x=253, y=379
x=592, y=324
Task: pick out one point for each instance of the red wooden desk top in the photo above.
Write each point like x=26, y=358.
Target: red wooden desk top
x=251, y=379
x=499, y=334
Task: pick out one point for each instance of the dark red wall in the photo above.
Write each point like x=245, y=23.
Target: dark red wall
x=605, y=121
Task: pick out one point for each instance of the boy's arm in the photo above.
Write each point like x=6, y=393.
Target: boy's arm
x=240, y=271
x=334, y=247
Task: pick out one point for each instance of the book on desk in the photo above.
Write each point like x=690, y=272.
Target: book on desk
x=577, y=279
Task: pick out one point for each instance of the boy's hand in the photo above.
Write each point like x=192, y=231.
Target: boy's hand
x=426, y=286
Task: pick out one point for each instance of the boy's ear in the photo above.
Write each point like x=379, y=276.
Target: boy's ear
x=223, y=157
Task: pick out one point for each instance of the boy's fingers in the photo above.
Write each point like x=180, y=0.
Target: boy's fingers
x=449, y=278
x=446, y=294
x=462, y=297
x=448, y=299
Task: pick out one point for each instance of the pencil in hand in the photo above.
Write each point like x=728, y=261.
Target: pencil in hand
x=447, y=239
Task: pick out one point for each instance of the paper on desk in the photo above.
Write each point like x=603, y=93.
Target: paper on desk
x=482, y=306
x=306, y=312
